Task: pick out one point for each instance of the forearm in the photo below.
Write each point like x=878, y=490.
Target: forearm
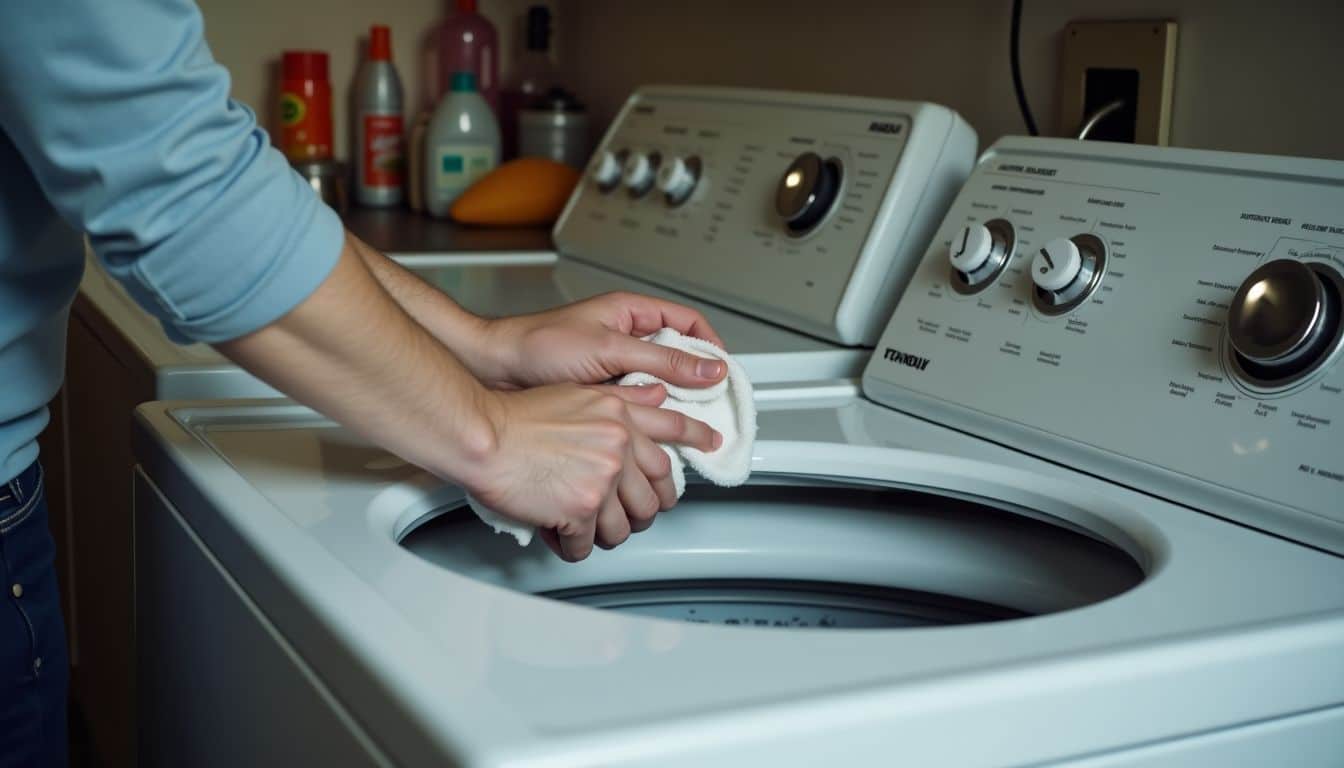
x=351, y=352
x=461, y=331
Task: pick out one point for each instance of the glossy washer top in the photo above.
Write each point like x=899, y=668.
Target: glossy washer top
x=1229, y=626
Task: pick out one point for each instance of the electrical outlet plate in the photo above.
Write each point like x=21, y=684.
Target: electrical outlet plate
x=1148, y=47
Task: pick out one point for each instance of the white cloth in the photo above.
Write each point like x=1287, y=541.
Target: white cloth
x=727, y=406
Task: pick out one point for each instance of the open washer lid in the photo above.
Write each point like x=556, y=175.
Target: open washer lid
x=1227, y=626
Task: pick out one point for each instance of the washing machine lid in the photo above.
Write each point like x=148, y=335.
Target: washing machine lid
x=1138, y=384
x=306, y=518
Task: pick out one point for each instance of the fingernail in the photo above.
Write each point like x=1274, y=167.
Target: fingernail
x=717, y=442
x=708, y=369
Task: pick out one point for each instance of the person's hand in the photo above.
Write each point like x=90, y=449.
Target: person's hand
x=593, y=341
x=580, y=463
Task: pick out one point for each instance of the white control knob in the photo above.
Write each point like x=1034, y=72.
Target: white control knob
x=970, y=248
x=638, y=172
x=675, y=179
x=1056, y=265
x=607, y=170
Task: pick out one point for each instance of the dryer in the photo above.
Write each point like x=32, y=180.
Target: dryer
x=1080, y=519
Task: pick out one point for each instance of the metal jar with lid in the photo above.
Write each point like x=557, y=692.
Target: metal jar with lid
x=327, y=178
x=554, y=126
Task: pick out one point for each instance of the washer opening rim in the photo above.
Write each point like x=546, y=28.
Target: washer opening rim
x=1078, y=566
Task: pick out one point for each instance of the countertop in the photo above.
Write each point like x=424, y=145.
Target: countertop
x=399, y=231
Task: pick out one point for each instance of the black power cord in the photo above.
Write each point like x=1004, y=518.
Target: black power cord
x=1014, y=53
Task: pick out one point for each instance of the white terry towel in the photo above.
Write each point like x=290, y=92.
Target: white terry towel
x=728, y=407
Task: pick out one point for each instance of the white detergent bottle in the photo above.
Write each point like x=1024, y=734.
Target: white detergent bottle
x=461, y=145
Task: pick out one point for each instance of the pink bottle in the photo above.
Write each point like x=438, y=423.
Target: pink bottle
x=468, y=43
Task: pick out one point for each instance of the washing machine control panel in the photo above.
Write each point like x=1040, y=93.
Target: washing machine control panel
x=1168, y=318
x=809, y=211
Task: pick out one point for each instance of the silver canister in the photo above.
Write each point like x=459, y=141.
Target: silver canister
x=327, y=178
x=555, y=126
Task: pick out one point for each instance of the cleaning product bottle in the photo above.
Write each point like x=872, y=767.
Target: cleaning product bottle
x=532, y=75
x=462, y=144
x=468, y=43
x=379, y=155
x=305, y=106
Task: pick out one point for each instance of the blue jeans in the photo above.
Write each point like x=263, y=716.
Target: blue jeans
x=34, y=667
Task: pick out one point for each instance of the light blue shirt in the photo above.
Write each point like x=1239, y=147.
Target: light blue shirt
x=116, y=121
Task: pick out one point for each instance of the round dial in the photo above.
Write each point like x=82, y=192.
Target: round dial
x=970, y=248
x=607, y=170
x=676, y=179
x=807, y=191
x=1284, y=319
x=638, y=175
x=1056, y=265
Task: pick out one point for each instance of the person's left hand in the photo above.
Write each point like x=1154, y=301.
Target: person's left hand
x=593, y=341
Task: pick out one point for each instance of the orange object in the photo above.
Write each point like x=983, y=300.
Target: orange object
x=526, y=191
x=305, y=106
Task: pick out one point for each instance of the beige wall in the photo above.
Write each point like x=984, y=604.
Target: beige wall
x=247, y=37
x=1250, y=76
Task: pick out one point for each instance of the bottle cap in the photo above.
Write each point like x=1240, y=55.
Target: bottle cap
x=303, y=65
x=466, y=6
x=380, y=43
x=464, y=81
x=538, y=28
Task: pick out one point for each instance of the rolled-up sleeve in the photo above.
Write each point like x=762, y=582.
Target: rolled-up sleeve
x=125, y=119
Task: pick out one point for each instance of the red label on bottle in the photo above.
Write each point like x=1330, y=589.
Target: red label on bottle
x=384, y=158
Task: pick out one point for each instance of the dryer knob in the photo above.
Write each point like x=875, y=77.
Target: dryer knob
x=606, y=170
x=1056, y=265
x=807, y=191
x=676, y=180
x=639, y=170
x=1284, y=320
x=970, y=248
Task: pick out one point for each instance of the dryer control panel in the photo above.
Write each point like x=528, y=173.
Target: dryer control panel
x=807, y=210
x=1169, y=319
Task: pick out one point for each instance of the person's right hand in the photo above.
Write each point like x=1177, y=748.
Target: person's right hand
x=581, y=463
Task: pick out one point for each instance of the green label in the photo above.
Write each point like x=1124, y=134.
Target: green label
x=459, y=165
x=292, y=109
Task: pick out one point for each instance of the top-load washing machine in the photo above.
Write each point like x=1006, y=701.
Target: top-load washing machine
x=790, y=220
x=1087, y=510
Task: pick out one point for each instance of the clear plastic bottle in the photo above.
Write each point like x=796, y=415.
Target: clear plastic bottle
x=462, y=144
x=531, y=76
x=468, y=43
x=379, y=157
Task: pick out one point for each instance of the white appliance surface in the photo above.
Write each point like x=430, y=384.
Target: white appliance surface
x=769, y=353
x=1141, y=383
x=442, y=653
x=763, y=230
x=1035, y=589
